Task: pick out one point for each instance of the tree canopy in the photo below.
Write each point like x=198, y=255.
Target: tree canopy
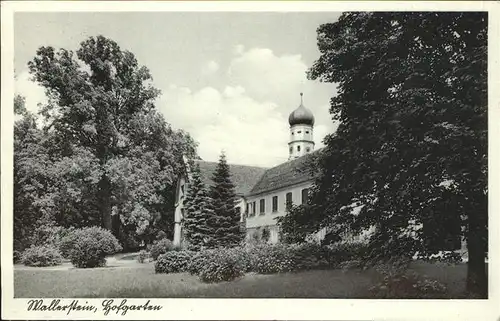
x=103, y=155
x=410, y=155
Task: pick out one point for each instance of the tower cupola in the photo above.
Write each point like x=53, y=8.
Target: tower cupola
x=301, y=122
x=301, y=115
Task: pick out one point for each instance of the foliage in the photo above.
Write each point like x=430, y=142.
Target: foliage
x=50, y=235
x=17, y=256
x=41, y=255
x=31, y=180
x=198, y=211
x=265, y=235
x=173, y=262
x=225, y=221
x=88, y=247
x=218, y=265
x=161, y=235
x=103, y=156
x=296, y=225
x=213, y=265
x=398, y=282
x=409, y=156
x=268, y=259
x=143, y=256
x=161, y=247
x=312, y=256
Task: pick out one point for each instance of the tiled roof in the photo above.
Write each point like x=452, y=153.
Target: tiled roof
x=243, y=177
x=286, y=174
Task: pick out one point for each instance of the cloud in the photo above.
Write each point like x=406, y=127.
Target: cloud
x=33, y=93
x=238, y=49
x=248, y=117
x=250, y=132
x=209, y=68
x=267, y=76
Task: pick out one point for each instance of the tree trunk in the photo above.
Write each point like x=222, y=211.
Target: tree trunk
x=477, y=279
x=104, y=198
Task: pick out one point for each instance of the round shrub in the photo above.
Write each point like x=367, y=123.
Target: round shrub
x=173, y=262
x=268, y=259
x=161, y=247
x=310, y=256
x=143, y=256
x=161, y=235
x=198, y=260
x=41, y=255
x=220, y=265
x=88, y=247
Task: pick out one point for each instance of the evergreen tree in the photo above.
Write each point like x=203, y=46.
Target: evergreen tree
x=197, y=212
x=225, y=222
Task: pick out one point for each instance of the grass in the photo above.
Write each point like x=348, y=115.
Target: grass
x=141, y=281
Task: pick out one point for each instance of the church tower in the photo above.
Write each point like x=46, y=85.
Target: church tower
x=301, y=122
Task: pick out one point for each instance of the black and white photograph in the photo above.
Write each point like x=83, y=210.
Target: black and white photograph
x=232, y=154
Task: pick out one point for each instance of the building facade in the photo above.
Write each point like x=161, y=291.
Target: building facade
x=264, y=192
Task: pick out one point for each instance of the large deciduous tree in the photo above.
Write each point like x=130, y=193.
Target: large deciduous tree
x=410, y=154
x=117, y=154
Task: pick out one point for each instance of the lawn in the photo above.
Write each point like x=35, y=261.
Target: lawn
x=141, y=281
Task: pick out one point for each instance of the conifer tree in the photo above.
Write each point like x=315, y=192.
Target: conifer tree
x=198, y=210
x=226, y=220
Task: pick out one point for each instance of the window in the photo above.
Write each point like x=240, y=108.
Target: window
x=299, y=132
x=308, y=149
x=298, y=148
x=246, y=210
x=262, y=206
x=307, y=132
x=305, y=195
x=288, y=200
x=251, y=209
x=275, y=204
x=291, y=149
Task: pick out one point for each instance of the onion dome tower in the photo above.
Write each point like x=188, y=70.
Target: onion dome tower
x=301, y=122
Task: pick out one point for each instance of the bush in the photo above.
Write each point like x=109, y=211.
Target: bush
x=161, y=247
x=161, y=235
x=88, y=247
x=219, y=265
x=143, y=256
x=17, y=256
x=50, y=235
x=268, y=259
x=308, y=256
x=399, y=282
x=41, y=255
x=173, y=262
x=407, y=286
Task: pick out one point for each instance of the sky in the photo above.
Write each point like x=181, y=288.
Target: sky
x=229, y=79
